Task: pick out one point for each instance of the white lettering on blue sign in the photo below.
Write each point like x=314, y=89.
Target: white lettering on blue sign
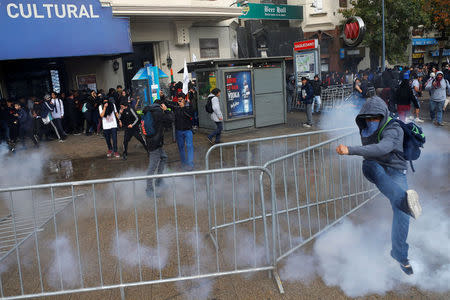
x=47, y=11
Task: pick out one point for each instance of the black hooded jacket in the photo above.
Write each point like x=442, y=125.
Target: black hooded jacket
x=183, y=117
x=161, y=119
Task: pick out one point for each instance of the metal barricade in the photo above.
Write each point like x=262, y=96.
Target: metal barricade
x=256, y=152
x=116, y=237
x=331, y=97
x=314, y=190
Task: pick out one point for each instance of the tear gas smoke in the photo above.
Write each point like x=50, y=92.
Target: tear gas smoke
x=126, y=249
x=63, y=265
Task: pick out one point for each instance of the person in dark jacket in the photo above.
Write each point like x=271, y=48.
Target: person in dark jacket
x=385, y=166
x=317, y=88
x=25, y=124
x=130, y=121
x=13, y=124
x=290, y=90
x=88, y=112
x=403, y=98
x=162, y=118
x=184, y=115
x=307, y=96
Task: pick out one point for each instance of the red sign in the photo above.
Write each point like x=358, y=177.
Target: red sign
x=305, y=45
x=351, y=30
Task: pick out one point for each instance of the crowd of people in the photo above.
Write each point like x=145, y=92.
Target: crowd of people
x=400, y=87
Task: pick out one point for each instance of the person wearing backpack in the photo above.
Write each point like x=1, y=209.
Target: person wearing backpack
x=213, y=108
x=130, y=121
x=385, y=166
x=156, y=118
x=438, y=88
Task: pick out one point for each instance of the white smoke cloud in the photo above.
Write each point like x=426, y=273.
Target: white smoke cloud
x=64, y=264
x=126, y=249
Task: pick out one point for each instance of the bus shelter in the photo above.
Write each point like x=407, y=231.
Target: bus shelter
x=252, y=91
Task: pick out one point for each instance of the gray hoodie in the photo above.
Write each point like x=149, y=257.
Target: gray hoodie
x=438, y=94
x=387, y=152
x=216, y=116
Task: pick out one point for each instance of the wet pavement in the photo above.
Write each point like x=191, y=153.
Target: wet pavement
x=82, y=158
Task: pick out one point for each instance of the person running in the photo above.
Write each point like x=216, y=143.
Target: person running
x=216, y=116
x=385, y=166
x=130, y=120
x=108, y=113
x=58, y=114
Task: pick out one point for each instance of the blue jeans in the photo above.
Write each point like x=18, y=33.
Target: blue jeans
x=217, y=132
x=392, y=183
x=436, y=108
x=290, y=101
x=185, y=144
x=317, y=103
x=111, y=133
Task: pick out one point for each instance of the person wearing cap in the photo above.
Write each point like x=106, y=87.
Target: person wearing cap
x=307, y=96
x=438, y=88
x=385, y=166
x=130, y=121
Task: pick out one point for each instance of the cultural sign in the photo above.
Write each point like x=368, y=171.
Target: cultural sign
x=239, y=94
x=60, y=28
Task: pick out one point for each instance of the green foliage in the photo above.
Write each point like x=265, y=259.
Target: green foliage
x=400, y=16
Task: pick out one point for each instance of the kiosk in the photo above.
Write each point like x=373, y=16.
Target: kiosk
x=252, y=91
x=146, y=84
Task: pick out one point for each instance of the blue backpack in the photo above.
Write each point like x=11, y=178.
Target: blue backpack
x=413, y=139
x=147, y=126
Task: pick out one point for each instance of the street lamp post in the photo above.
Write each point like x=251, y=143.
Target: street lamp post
x=383, y=37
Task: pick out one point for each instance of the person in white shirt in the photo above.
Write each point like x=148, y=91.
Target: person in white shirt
x=108, y=113
x=58, y=114
x=216, y=116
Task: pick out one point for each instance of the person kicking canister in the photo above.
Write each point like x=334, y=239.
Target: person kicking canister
x=385, y=166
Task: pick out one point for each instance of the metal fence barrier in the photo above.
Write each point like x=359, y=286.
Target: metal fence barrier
x=331, y=97
x=313, y=189
x=116, y=236
x=316, y=188
x=258, y=151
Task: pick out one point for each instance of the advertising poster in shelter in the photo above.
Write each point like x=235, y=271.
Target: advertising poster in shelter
x=239, y=94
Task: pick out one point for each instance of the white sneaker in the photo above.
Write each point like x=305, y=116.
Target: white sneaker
x=418, y=120
x=306, y=125
x=413, y=203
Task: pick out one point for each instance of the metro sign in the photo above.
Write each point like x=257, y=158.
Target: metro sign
x=305, y=45
x=354, y=29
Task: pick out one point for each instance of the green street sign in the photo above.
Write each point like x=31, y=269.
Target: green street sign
x=271, y=12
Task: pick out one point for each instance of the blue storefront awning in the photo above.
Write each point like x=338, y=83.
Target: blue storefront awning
x=446, y=52
x=424, y=41
x=60, y=28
